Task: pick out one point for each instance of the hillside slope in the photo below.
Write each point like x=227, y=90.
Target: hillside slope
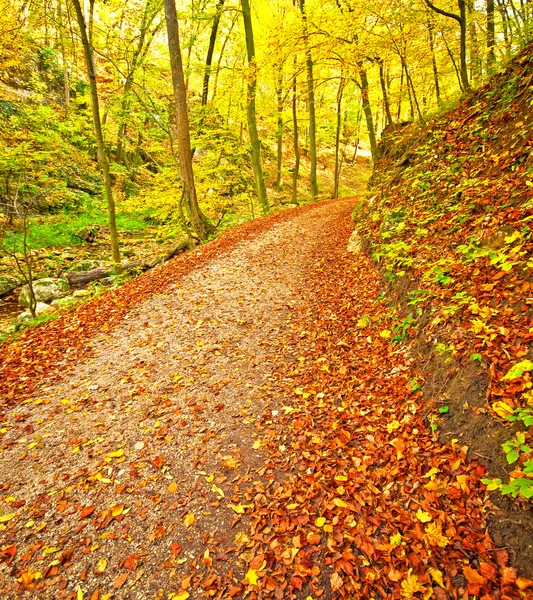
x=448, y=217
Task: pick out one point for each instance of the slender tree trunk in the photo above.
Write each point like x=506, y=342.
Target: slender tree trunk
x=296, y=144
x=506, y=28
x=313, y=182
x=336, y=180
x=279, y=128
x=430, y=27
x=399, y=113
x=385, y=94
x=491, y=56
x=102, y=158
x=367, y=109
x=66, y=82
x=250, y=109
x=210, y=50
x=461, y=19
x=221, y=54
x=454, y=63
x=476, y=63
x=199, y=222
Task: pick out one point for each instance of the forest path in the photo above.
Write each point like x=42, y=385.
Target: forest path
x=249, y=430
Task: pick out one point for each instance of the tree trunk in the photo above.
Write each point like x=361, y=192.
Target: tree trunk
x=102, y=158
x=386, y=102
x=313, y=182
x=279, y=128
x=210, y=50
x=430, y=27
x=66, y=82
x=461, y=19
x=250, y=109
x=296, y=144
x=491, y=56
x=367, y=109
x=336, y=179
x=199, y=223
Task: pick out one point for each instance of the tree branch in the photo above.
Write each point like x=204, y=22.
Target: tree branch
x=444, y=13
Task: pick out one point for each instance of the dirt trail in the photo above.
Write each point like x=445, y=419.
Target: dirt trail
x=249, y=431
x=170, y=396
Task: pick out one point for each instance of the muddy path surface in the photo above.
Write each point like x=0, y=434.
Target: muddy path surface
x=243, y=430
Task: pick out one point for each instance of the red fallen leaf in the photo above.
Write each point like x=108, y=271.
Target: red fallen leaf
x=502, y=558
x=120, y=580
x=219, y=406
x=130, y=562
x=87, y=511
x=51, y=571
x=234, y=591
x=95, y=595
x=158, y=461
x=175, y=548
x=508, y=575
x=487, y=570
x=8, y=552
x=472, y=576
x=83, y=575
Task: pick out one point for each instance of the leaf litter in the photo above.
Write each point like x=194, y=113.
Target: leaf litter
x=239, y=434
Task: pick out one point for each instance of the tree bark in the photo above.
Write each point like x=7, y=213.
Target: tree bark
x=461, y=19
x=210, y=50
x=430, y=27
x=385, y=94
x=491, y=56
x=279, y=128
x=296, y=144
x=313, y=182
x=199, y=223
x=102, y=158
x=367, y=109
x=336, y=179
x=250, y=109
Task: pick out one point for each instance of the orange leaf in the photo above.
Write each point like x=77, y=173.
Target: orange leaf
x=88, y=510
x=472, y=576
x=120, y=580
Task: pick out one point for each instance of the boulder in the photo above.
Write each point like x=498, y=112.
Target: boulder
x=45, y=290
x=8, y=283
x=39, y=310
x=355, y=243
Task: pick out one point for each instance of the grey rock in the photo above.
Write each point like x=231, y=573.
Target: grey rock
x=355, y=243
x=45, y=290
x=8, y=283
x=39, y=310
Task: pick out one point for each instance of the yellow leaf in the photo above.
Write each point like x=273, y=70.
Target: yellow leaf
x=210, y=478
x=239, y=508
x=292, y=506
x=502, y=409
x=189, y=520
x=392, y=426
x=6, y=518
x=117, y=510
x=411, y=585
x=422, y=516
x=431, y=472
x=79, y=594
x=340, y=503
x=173, y=487
x=436, y=575
x=433, y=536
x=116, y=454
x=101, y=566
x=183, y=595
x=385, y=334
x=218, y=491
x=32, y=445
x=256, y=445
x=251, y=575
x=320, y=521
x=50, y=550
